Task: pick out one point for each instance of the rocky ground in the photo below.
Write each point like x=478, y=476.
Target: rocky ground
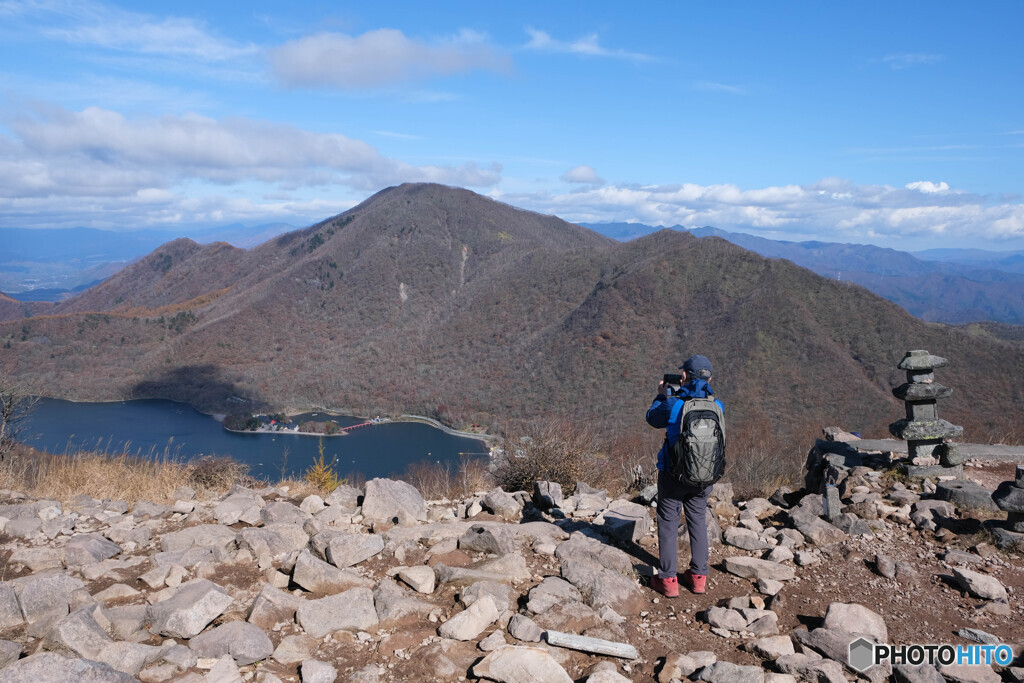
x=380, y=585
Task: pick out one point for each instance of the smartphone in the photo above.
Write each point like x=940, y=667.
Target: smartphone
x=673, y=380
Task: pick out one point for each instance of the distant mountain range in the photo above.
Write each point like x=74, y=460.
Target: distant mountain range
x=51, y=265
x=440, y=301
x=941, y=285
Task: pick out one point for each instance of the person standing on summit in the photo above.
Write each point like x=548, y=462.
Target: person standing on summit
x=686, y=471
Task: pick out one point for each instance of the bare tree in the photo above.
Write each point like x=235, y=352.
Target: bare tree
x=16, y=403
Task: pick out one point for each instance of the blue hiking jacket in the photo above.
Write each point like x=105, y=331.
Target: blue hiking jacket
x=661, y=410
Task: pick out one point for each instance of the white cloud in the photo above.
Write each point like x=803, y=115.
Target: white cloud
x=95, y=24
x=831, y=209
x=87, y=164
x=928, y=187
x=584, y=175
x=907, y=60
x=589, y=45
x=378, y=58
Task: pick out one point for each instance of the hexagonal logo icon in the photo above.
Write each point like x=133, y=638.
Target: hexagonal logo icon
x=862, y=654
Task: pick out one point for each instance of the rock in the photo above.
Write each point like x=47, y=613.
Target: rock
x=492, y=642
x=245, y=643
x=38, y=559
x=963, y=673
x=10, y=611
x=525, y=629
x=505, y=569
x=46, y=595
x=281, y=511
x=601, y=586
x=779, y=554
x=498, y=592
x=224, y=671
x=502, y=504
x=273, y=606
x=769, y=586
x=624, y=521
x=727, y=672
x=814, y=529
x=470, y=622
x=980, y=585
x=345, y=550
x=550, y=592
x=512, y=664
x=79, y=633
x=420, y=578
x=129, y=658
x=885, y=566
x=9, y=652
x=345, y=497
x=979, y=636
x=753, y=568
x=319, y=577
x=352, y=610
x=494, y=540
x=389, y=501
x=729, y=619
x=118, y=591
x=202, y=536
x=294, y=649
x=676, y=666
x=315, y=671
x=923, y=673
x=274, y=540
x=312, y=504
x=547, y=495
x=393, y=602
x=193, y=605
x=744, y=539
x=49, y=666
x=1009, y=496
x=856, y=619
x=244, y=504
x=965, y=494
x=771, y=647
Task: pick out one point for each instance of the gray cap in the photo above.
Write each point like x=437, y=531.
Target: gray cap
x=697, y=366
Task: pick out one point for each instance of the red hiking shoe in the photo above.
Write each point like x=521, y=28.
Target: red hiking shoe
x=697, y=583
x=668, y=587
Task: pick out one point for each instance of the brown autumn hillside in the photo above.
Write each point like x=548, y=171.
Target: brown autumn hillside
x=436, y=300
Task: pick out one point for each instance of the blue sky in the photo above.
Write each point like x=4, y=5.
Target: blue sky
x=899, y=124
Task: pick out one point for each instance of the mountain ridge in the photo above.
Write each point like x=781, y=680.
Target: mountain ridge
x=440, y=301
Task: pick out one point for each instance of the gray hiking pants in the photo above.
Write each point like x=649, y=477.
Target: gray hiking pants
x=673, y=499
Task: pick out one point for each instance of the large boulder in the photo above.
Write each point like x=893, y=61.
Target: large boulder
x=352, y=610
x=511, y=664
x=203, y=536
x=245, y=643
x=470, y=622
x=50, y=666
x=345, y=549
x=625, y=521
x=858, y=619
x=186, y=613
x=318, y=576
x=49, y=594
x=393, y=502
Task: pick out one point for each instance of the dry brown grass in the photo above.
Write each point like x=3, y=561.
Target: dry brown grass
x=123, y=476
x=435, y=480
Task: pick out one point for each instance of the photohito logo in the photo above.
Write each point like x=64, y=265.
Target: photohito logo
x=864, y=654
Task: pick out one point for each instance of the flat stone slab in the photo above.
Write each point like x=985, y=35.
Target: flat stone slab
x=50, y=666
x=185, y=614
x=753, y=568
x=921, y=360
x=352, y=610
x=967, y=495
x=245, y=643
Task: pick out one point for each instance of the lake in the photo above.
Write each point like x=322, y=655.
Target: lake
x=156, y=427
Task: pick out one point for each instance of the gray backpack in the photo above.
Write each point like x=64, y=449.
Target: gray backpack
x=697, y=458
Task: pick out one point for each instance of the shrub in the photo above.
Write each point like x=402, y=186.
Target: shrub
x=559, y=452
x=215, y=472
x=322, y=474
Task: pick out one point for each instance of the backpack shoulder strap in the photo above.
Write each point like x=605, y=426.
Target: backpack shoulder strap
x=674, y=426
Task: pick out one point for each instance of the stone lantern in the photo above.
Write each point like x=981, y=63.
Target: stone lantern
x=923, y=430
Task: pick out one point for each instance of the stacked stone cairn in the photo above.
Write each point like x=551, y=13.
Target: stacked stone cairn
x=1010, y=498
x=925, y=433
